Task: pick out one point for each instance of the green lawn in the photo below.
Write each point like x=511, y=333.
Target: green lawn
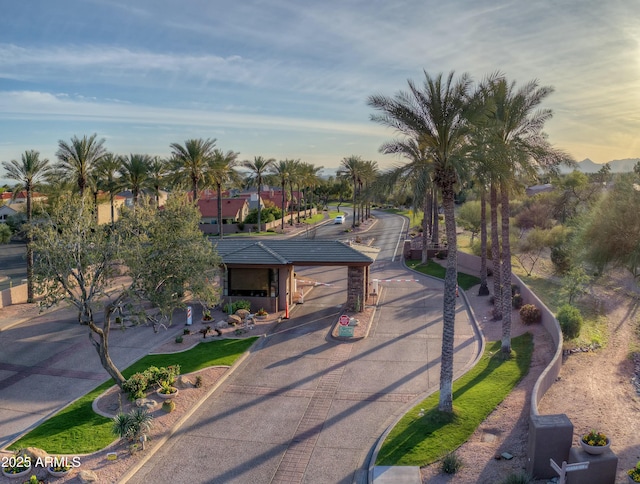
x=418, y=441
x=77, y=429
x=465, y=281
x=415, y=217
x=319, y=217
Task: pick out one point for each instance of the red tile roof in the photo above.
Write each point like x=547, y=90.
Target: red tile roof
x=230, y=207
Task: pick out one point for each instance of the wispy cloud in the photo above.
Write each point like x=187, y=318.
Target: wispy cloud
x=37, y=105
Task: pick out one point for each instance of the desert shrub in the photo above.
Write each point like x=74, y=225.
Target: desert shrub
x=570, y=321
x=517, y=301
x=241, y=304
x=451, y=463
x=5, y=233
x=517, y=478
x=179, y=339
x=530, y=314
x=560, y=259
x=132, y=425
x=198, y=382
x=136, y=385
x=139, y=383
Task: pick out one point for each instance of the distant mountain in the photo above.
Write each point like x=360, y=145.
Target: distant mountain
x=617, y=166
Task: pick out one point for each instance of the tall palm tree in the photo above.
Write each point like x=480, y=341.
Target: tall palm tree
x=311, y=179
x=351, y=168
x=221, y=170
x=135, y=174
x=78, y=158
x=520, y=147
x=28, y=172
x=258, y=168
x=417, y=174
x=191, y=161
x=436, y=117
x=108, y=178
x=158, y=171
x=369, y=174
x=283, y=171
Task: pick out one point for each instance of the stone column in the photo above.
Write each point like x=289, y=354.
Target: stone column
x=356, y=289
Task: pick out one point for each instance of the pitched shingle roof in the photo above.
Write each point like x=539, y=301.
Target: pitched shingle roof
x=281, y=252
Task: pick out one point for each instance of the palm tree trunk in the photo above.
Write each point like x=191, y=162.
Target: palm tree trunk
x=30, y=291
x=484, y=289
x=506, y=270
x=284, y=183
x=449, y=304
x=219, y=189
x=436, y=220
x=495, y=254
x=299, y=199
x=355, y=208
x=113, y=210
x=194, y=182
x=259, y=205
x=426, y=209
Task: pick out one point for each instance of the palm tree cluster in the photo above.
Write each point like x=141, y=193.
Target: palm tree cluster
x=454, y=133
x=85, y=166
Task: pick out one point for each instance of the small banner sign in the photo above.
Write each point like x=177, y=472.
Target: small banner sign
x=345, y=331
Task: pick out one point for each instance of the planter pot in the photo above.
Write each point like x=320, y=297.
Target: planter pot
x=595, y=449
x=57, y=473
x=16, y=475
x=167, y=396
x=261, y=318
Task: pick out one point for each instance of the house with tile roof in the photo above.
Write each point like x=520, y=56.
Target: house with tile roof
x=234, y=210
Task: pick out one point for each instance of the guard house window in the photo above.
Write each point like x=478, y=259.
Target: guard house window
x=253, y=282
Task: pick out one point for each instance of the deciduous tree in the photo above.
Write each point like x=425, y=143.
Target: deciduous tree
x=161, y=254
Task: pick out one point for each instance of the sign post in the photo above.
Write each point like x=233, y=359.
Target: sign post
x=189, y=316
x=562, y=471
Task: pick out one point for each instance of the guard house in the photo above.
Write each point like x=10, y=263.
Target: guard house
x=262, y=271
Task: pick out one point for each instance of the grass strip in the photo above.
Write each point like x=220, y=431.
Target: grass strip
x=465, y=281
x=77, y=429
x=418, y=441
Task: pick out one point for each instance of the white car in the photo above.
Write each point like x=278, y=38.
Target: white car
x=339, y=219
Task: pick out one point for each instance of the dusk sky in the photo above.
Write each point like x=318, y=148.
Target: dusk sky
x=287, y=79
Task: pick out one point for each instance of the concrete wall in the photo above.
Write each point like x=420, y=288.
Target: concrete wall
x=13, y=295
x=471, y=263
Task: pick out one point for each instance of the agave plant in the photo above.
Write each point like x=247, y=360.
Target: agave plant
x=132, y=425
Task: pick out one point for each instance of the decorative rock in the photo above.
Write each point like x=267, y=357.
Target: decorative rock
x=222, y=325
x=147, y=403
x=34, y=454
x=234, y=319
x=243, y=313
x=87, y=476
x=183, y=382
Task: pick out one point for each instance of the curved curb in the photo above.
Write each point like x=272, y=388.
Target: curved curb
x=478, y=334
x=94, y=404
x=160, y=442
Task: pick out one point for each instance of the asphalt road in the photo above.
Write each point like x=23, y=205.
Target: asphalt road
x=48, y=361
